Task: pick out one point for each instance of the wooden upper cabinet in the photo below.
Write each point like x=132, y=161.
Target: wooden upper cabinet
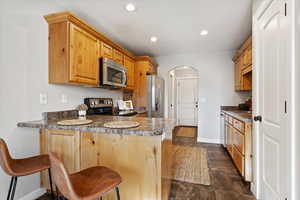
x=84, y=57
x=118, y=57
x=75, y=49
x=144, y=65
x=243, y=67
x=130, y=65
x=247, y=58
x=237, y=74
x=73, y=55
x=106, y=50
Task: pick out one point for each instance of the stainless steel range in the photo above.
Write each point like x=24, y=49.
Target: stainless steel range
x=99, y=106
x=105, y=106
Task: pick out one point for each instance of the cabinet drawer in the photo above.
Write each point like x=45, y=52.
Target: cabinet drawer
x=238, y=159
x=106, y=50
x=230, y=120
x=118, y=57
x=239, y=125
x=239, y=141
x=226, y=117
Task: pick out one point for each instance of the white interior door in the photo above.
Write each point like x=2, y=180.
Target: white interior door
x=187, y=101
x=273, y=66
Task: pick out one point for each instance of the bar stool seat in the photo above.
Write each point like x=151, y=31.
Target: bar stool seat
x=87, y=184
x=28, y=166
x=94, y=182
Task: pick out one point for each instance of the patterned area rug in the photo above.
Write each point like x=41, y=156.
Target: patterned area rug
x=186, y=132
x=190, y=165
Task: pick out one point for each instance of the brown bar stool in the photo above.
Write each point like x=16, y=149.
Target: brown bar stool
x=22, y=167
x=87, y=184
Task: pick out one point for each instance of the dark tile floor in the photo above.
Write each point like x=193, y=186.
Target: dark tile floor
x=226, y=183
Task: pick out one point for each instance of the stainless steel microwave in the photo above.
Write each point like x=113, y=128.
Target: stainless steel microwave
x=112, y=74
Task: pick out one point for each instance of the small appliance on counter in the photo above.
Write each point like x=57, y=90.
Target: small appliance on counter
x=126, y=108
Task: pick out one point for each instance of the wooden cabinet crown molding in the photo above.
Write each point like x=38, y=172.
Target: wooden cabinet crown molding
x=242, y=49
x=67, y=16
x=146, y=58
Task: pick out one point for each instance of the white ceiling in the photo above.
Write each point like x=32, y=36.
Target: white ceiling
x=176, y=23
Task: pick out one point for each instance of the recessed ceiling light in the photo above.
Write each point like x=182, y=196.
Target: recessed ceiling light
x=204, y=32
x=130, y=7
x=153, y=39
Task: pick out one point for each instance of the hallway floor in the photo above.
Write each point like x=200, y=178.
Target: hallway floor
x=226, y=183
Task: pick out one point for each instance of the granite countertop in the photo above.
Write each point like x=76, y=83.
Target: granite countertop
x=148, y=126
x=245, y=116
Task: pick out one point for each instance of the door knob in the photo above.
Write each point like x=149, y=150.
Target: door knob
x=258, y=118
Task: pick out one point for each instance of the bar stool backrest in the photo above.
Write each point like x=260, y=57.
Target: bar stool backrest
x=6, y=161
x=61, y=177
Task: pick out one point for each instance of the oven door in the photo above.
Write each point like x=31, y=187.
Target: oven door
x=113, y=74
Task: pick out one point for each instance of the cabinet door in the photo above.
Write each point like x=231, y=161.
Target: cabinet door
x=239, y=141
x=230, y=140
x=226, y=134
x=89, y=154
x=140, y=90
x=237, y=74
x=118, y=57
x=84, y=57
x=129, y=64
x=247, y=58
x=238, y=159
x=106, y=50
x=66, y=145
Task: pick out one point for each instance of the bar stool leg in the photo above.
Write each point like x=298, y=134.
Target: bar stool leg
x=118, y=193
x=51, y=186
x=10, y=187
x=14, y=188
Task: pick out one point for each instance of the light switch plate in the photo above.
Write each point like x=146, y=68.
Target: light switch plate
x=43, y=99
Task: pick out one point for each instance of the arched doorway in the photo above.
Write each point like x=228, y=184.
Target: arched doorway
x=183, y=95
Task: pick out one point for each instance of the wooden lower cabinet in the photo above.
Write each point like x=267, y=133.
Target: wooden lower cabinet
x=142, y=161
x=239, y=141
x=238, y=159
x=239, y=145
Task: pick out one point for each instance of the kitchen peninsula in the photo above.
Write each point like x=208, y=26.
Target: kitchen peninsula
x=139, y=154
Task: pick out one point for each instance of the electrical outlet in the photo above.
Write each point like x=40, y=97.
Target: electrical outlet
x=203, y=100
x=64, y=98
x=43, y=99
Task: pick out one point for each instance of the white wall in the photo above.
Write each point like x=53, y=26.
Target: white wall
x=23, y=76
x=216, y=87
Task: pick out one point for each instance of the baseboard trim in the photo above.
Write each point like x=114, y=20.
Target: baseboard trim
x=208, y=140
x=34, y=194
x=253, y=189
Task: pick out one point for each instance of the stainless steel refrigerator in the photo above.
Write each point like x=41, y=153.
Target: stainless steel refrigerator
x=155, y=97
